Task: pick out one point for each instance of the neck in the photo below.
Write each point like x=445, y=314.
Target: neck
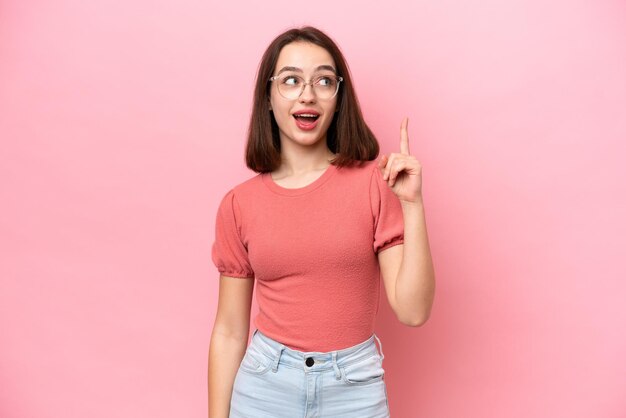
x=298, y=159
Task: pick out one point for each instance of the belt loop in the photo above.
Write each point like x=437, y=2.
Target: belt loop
x=380, y=345
x=280, y=352
x=337, y=372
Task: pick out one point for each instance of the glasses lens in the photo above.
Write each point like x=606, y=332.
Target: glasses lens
x=291, y=86
x=325, y=86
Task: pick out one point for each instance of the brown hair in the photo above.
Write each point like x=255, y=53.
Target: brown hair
x=348, y=135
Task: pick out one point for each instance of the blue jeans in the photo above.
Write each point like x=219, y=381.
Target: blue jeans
x=274, y=381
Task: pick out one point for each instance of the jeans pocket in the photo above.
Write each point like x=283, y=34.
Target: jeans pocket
x=363, y=372
x=255, y=362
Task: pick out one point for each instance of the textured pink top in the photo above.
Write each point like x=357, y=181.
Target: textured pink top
x=312, y=251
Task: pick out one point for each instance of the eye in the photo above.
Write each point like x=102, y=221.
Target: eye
x=325, y=81
x=291, y=80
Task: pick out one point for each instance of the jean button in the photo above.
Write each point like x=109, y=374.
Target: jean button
x=310, y=361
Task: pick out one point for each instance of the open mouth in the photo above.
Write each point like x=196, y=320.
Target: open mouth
x=306, y=120
x=306, y=117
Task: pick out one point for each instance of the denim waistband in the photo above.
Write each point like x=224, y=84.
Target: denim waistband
x=282, y=354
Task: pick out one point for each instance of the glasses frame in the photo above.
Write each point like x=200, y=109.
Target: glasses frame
x=308, y=83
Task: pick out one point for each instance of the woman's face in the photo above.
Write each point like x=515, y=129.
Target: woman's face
x=306, y=58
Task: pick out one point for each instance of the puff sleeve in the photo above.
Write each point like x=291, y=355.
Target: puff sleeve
x=228, y=252
x=387, y=213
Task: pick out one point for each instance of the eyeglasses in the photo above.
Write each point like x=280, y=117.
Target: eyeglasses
x=291, y=86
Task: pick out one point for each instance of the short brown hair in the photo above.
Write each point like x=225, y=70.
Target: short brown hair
x=348, y=135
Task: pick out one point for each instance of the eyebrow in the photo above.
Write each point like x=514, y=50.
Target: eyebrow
x=320, y=67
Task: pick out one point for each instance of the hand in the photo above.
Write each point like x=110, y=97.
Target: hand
x=402, y=171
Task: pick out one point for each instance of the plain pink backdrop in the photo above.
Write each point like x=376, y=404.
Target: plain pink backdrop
x=123, y=123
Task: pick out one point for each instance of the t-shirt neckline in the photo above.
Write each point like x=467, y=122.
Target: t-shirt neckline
x=273, y=186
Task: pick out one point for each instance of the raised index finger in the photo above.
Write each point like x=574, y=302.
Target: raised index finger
x=404, y=136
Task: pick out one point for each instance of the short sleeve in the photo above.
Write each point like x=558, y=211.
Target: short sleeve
x=387, y=213
x=228, y=252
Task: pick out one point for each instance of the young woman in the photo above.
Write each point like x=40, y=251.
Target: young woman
x=314, y=229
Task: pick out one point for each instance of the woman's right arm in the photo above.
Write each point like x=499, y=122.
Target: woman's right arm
x=229, y=340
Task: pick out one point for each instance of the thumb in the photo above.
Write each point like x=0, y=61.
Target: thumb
x=382, y=162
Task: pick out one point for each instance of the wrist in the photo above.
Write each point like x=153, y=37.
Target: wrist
x=416, y=204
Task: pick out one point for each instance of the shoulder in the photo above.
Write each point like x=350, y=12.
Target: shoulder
x=371, y=172
x=356, y=177
x=363, y=169
x=243, y=186
x=242, y=192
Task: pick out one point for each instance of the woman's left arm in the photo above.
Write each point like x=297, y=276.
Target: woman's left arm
x=407, y=269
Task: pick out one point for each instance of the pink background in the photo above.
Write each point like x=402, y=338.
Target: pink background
x=122, y=124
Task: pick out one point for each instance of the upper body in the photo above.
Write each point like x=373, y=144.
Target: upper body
x=312, y=251
x=315, y=231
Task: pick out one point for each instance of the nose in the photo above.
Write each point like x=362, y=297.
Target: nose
x=308, y=94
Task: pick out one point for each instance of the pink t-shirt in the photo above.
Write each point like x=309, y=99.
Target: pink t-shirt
x=312, y=251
